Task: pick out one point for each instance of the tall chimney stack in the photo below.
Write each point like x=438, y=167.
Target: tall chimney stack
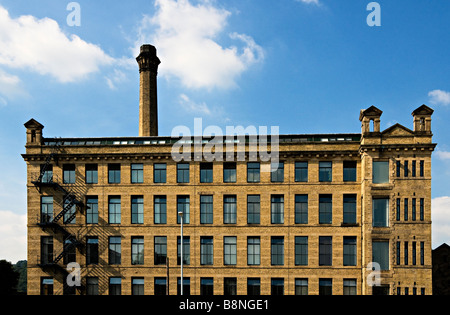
x=148, y=100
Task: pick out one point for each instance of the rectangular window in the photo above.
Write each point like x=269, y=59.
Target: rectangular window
x=277, y=209
x=229, y=172
x=422, y=253
x=253, y=286
x=46, y=250
x=70, y=208
x=69, y=173
x=159, y=173
x=277, y=251
x=301, y=209
x=349, y=286
x=253, y=251
x=414, y=253
x=137, y=210
x=422, y=169
x=160, y=209
x=229, y=209
x=229, y=286
x=398, y=168
x=91, y=174
x=253, y=209
x=406, y=169
x=349, y=250
x=137, y=173
x=115, y=286
x=325, y=286
x=398, y=209
x=380, y=254
x=92, y=210
x=186, y=286
x=91, y=285
x=137, y=250
x=277, y=172
x=70, y=252
x=114, y=173
x=406, y=254
x=46, y=209
x=206, y=172
x=422, y=209
x=325, y=171
x=115, y=250
x=413, y=169
x=301, y=251
x=413, y=209
x=277, y=286
x=137, y=286
x=253, y=170
x=160, y=250
x=398, y=245
x=349, y=171
x=380, y=212
x=114, y=209
x=301, y=172
x=229, y=250
x=301, y=286
x=349, y=209
x=206, y=286
x=92, y=250
x=183, y=205
x=46, y=286
x=405, y=209
x=183, y=173
x=325, y=209
x=206, y=209
x=325, y=251
x=186, y=250
x=380, y=172
x=206, y=250
x=160, y=286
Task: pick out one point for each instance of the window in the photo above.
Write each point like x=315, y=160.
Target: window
x=206, y=286
x=422, y=253
x=398, y=209
x=137, y=250
x=325, y=286
x=301, y=286
x=406, y=254
x=229, y=250
x=115, y=250
x=137, y=286
x=92, y=210
x=301, y=209
x=186, y=286
x=47, y=173
x=46, y=250
x=91, y=286
x=182, y=173
x=206, y=209
x=349, y=250
x=405, y=205
x=137, y=173
x=206, y=172
x=325, y=251
x=301, y=251
x=253, y=251
x=206, y=250
x=422, y=168
x=380, y=172
x=186, y=250
x=350, y=209
x=398, y=244
x=398, y=168
x=380, y=212
x=380, y=254
x=349, y=286
x=277, y=286
x=253, y=286
x=159, y=173
x=413, y=209
x=422, y=209
x=46, y=209
x=229, y=209
x=325, y=171
x=349, y=171
x=325, y=209
x=277, y=251
x=301, y=172
x=414, y=253
x=406, y=168
x=160, y=286
x=70, y=215
x=114, y=209
x=160, y=209
x=253, y=209
x=160, y=250
x=277, y=172
x=115, y=286
x=114, y=173
x=183, y=203
x=70, y=253
x=253, y=170
x=92, y=250
x=230, y=286
x=46, y=286
x=413, y=168
x=91, y=174
x=137, y=210
x=277, y=209
x=229, y=172
x=69, y=173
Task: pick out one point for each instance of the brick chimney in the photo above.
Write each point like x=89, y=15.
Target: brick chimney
x=148, y=100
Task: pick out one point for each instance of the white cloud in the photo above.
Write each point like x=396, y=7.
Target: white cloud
x=10, y=87
x=442, y=155
x=186, y=37
x=193, y=107
x=309, y=1
x=41, y=46
x=439, y=97
x=440, y=215
x=13, y=231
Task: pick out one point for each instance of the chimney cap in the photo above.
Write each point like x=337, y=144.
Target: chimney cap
x=148, y=48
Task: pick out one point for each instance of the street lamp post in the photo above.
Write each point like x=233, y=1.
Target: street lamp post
x=180, y=213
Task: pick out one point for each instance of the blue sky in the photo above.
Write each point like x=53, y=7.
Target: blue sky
x=307, y=66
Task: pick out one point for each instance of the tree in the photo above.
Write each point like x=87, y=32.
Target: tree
x=9, y=278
